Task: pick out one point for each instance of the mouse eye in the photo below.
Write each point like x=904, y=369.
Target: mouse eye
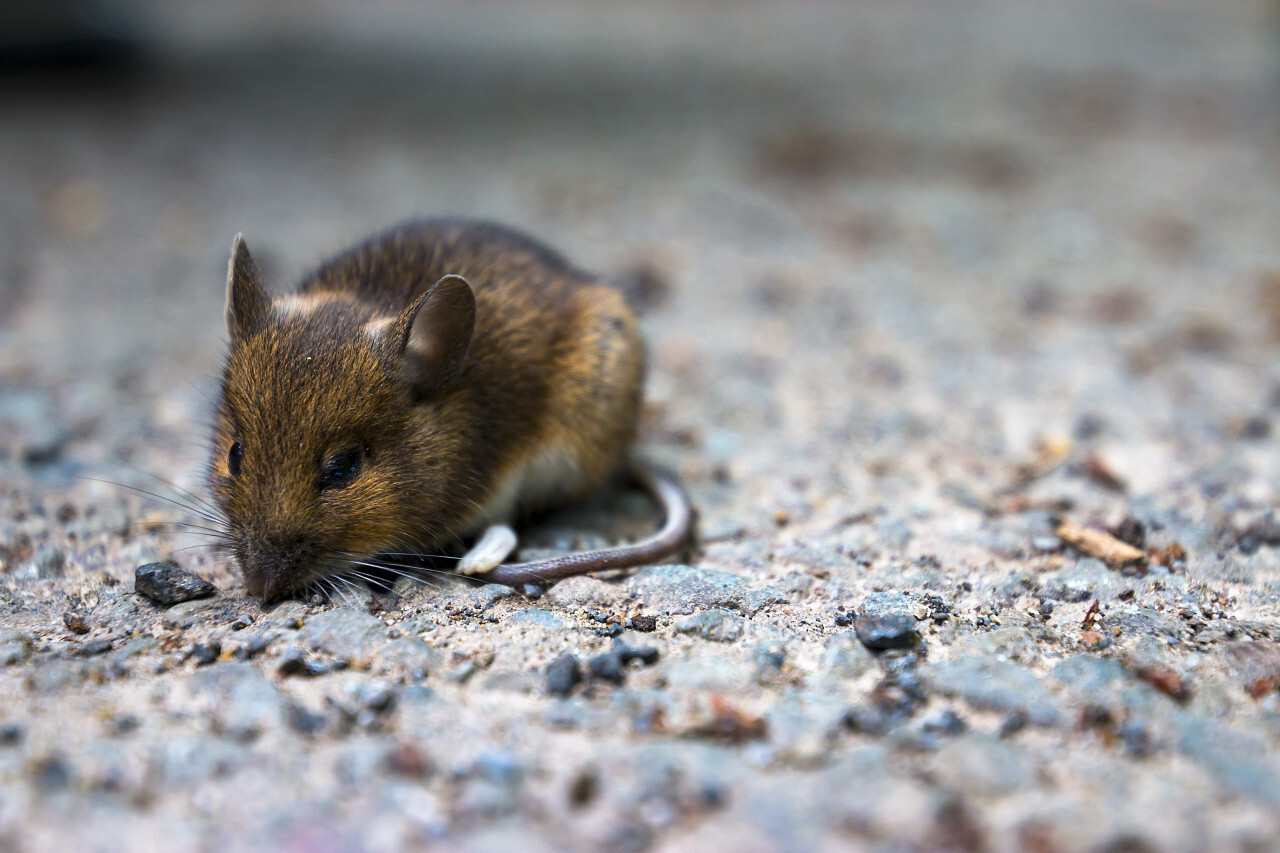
x=341, y=469
x=234, y=456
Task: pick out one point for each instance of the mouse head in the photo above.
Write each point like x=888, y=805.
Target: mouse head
x=332, y=438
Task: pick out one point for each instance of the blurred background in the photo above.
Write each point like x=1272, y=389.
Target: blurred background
x=900, y=190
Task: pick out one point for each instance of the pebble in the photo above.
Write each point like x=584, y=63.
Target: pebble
x=15, y=646
x=47, y=562
x=92, y=648
x=206, y=653
x=189, y=760
x=643, y=623
x=680, y=589
x=377, y=695
x=845, y=657
x=1243, y=763
x=584, y=593
x=563, y=674
x=721, y=626
x=611, y=665
x=32, y=418
x=542, y=619
x=979, y=763
x=190, y=613
x=302, y=720
x=345, y=633
x=244, y=702
x=995, y=685
x=407, y=657
x=886, y=620
x=1086, y=579
x=169, y=585
x=1013, y=643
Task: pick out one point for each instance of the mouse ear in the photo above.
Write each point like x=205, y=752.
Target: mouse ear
x=433, y=334
x=248, y=302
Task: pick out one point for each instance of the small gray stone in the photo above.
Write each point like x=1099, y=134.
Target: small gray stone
x=169, y=585
x=1085, y=580
x=188, y=613
x=1014, y=644
x=801, y=725
x=584, y=593
x=979, y=763
x=47, y=562
x=289, y=613
x=192, y=759
x=1242, y=762
x=563, y=674
x=715, y=624
x=846, y=658
x=680, y=589
x=1144, y=621
x=31, y=417
x=1252, y=660
x=714, y=674
x=542, y=619
x=15, y=647
x=886, y=620
x=244, y=703
x=345, y=633
x=56, y=675
x=408, y=657
x=995, y=685
x=1089, y=674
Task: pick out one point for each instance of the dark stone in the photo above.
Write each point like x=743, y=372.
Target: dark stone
x=124, y=724
x=377, y=696
x=608, y=666
x=563, y=674
x=1136, y=739
x=643, y=624
x=205, y=654
x=51, y=773
x=947, y=723
x=302, y=720
x=168, y=585
x=1013, y=723
x=1133, y=532
x=886, y=620
x=645, y=654
x=1262, y=531
x=11, y=734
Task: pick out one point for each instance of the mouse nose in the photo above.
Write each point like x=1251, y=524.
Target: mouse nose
x=272, y=568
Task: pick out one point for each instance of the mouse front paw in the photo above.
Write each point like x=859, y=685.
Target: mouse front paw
x=497, y=543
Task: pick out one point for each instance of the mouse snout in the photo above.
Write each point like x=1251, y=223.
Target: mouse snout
x=273, y=567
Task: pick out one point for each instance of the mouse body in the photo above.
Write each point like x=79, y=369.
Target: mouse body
x=416, y=390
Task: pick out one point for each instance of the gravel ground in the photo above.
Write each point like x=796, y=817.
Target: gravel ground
x=938, y=280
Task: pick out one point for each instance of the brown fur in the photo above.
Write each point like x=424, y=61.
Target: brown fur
x=555, y=365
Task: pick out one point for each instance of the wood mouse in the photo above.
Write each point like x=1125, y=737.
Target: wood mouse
x=420, y=388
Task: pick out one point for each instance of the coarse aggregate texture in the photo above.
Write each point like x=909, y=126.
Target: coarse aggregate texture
x=937, y=277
